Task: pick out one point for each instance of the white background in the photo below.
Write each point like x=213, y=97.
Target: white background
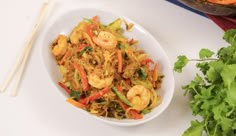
x=39, y=109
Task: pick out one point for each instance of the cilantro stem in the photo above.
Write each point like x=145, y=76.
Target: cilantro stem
x=196, y=91
x=215, y=129
x=230, y=112
x=208, y=59
x=205, y=124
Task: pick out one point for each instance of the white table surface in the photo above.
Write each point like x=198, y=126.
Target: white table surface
x=39, y=110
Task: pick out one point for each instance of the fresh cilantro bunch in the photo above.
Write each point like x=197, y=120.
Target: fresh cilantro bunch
x=213, y=90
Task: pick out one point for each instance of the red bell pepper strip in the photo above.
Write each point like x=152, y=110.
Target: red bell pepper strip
x=95, y=19
x=75, y=103
x=64, y=87
x=89, y=29
x=83, y=76
x=119, y=88
x=81, y=47
x=92, y=26
x=128, y=81
x=131, y=41
x=146, y=61
x=94, y=96
x=134, y=113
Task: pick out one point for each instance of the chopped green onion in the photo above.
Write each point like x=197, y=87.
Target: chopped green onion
x=87, y=48
x=75, y=94
x=122, y=97
x=142, y=73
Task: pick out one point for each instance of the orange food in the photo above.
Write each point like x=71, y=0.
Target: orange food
x=224, y=2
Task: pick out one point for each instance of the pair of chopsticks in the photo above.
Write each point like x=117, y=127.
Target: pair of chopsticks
x=21, y=61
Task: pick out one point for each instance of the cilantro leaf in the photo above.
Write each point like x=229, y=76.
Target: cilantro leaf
x=230, y=36
x=204, y=66
x=229, y=74
x=205, y=53
x=213, y=73
x=195, y=129
x=231, y=94
x=75, y=94
x=180, y=63
x=226, y=54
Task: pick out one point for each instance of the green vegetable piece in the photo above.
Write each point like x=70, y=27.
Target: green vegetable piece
x=229, y=74
x=215, y=68
x=115, y=25
x=68, y=40
x=142, y=73
x=122, y=97
x=231, y=95
x=87, y=48
x=230, y=36
x=234, y=125
x=180, y=63
x=203, y=67
x=226, y=54
x=205, y=53
x=88, y=20
x=75, y=94
x=146, y=111
x=195, y=129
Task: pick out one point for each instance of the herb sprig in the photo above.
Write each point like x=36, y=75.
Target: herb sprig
x=213, y=91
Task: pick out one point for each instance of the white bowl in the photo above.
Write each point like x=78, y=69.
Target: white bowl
x=65, y=23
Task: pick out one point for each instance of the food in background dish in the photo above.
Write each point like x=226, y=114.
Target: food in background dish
x=224, y=2
x=104, y=72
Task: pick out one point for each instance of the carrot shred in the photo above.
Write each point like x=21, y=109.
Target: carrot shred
x=154, y=74
x=67, y=54
x=94, y=96
x=83, y=76
x=75, y=103
x=130, y=51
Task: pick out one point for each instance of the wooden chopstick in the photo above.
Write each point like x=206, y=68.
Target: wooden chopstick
x=22, y=60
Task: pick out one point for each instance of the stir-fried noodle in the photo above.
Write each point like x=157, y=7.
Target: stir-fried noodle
x=104, y=73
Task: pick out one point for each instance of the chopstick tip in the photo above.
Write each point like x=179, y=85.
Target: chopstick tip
x=2, y=89
x=13, y=94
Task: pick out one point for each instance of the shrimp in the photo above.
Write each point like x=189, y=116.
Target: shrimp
x=106, y=40
x=60, y=45
x=97, y=82
x=139, y=96
x=77, y=33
